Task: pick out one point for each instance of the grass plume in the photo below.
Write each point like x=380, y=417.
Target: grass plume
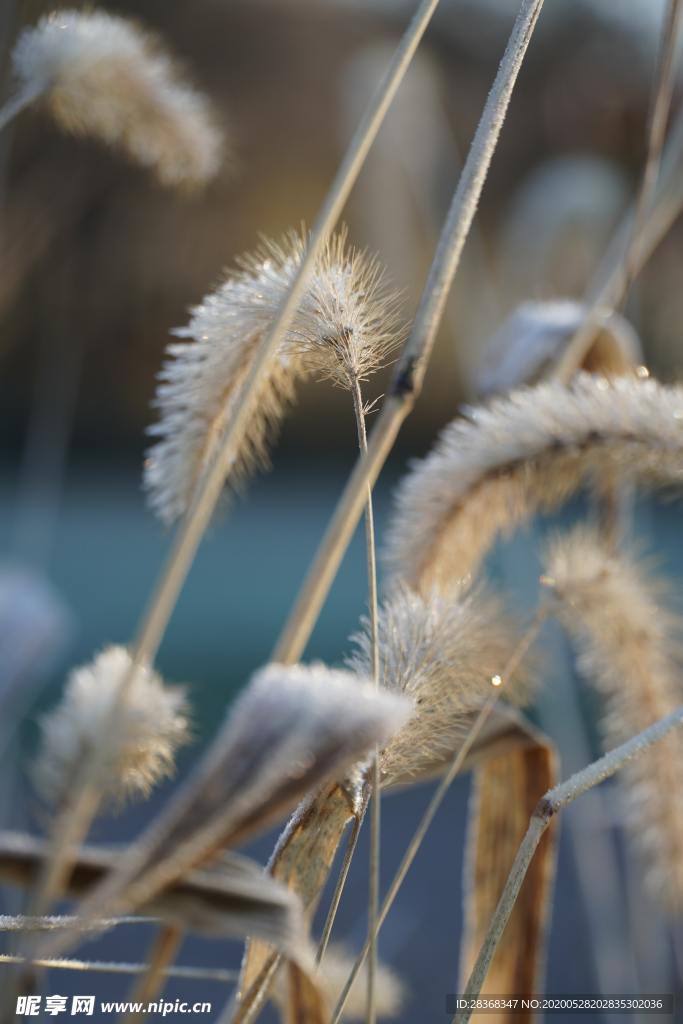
x=441, y=651
x=498, y=465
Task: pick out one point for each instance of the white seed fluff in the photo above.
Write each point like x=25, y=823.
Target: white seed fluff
x=152, y=724
x=101, y=75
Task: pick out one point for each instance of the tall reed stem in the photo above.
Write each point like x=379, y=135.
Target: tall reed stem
x=412, y=365
x=73, y=823
x=553, y=801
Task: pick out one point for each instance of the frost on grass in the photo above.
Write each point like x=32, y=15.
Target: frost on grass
x=345, y=325
x=101, y=75
x=442, y=651
x=627, y=642
x=498, y=465
x=136, y=754
x=292, y=729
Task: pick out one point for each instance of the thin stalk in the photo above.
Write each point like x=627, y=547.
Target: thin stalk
x=499, y=682
x=166, y=944
x=409, y=376
x=553, y=801
x=341, y=883
x=74, y=822
x=15, y=104
x=664, y=82
x=114, y=967
x=375, y=792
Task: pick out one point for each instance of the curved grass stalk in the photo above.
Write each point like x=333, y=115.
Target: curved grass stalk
x=73, y=823
x=553, y=801
x=412, y=365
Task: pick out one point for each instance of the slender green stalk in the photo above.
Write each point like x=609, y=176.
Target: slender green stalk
x=412, y=365
x=73, y=823
x=553, y=801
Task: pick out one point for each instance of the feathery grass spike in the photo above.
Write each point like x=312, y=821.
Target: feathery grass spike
x=498, y=465
x=343, y=329
x=140, y=751
x=101, y=75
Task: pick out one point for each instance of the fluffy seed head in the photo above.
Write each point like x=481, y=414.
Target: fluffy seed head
x=498, y=465
x=627, y=644
x=153, y=723
x=443, y=651
x=344, y=324
x=101, y=75
x=349, y=319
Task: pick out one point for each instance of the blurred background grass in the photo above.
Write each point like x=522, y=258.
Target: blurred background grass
x=97, y=263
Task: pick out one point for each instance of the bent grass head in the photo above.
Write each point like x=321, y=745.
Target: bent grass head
x=103, y=76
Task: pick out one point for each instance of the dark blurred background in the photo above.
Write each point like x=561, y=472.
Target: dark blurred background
x=97, y=263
